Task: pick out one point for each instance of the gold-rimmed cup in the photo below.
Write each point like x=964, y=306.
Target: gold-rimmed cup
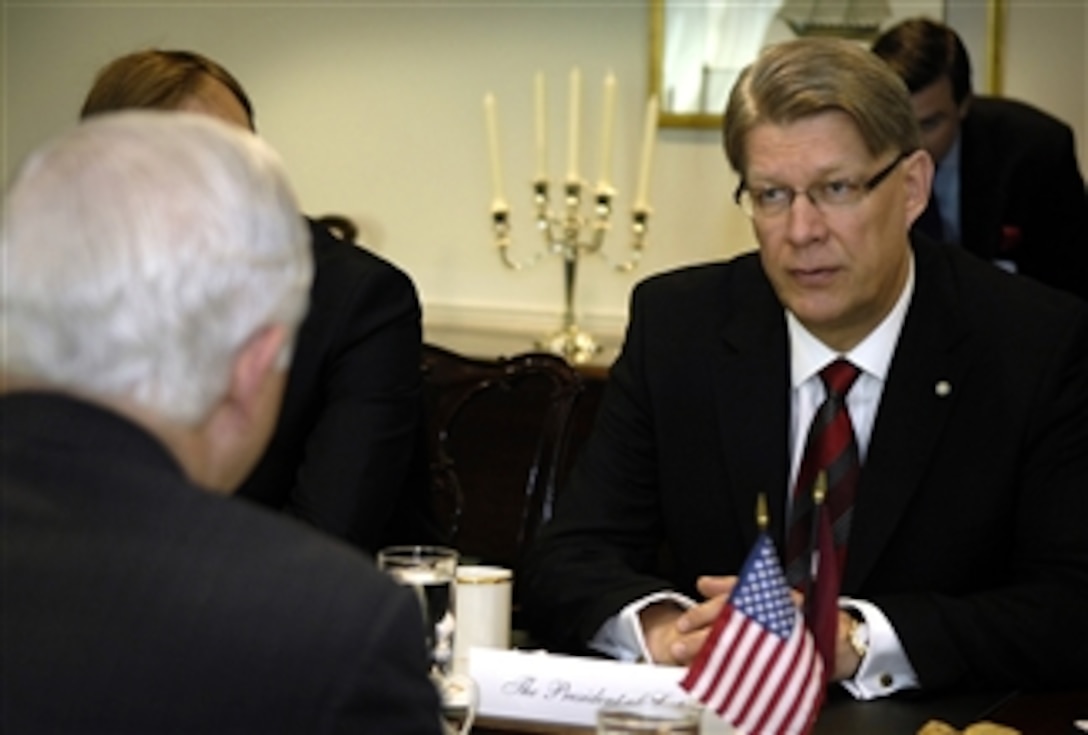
x=483, y=611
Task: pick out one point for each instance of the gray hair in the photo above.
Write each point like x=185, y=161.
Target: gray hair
x=141, y=250
x=804, y=77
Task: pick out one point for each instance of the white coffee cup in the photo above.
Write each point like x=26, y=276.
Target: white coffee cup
x=483, y=611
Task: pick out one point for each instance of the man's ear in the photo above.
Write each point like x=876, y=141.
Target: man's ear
x=254, y=363
x=230, y=440
x=965, y=105
x=918, y=169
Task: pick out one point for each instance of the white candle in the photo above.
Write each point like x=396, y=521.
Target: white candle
x=572, y=133
x=541, y=134
x=649, y=131
x=607, y=116
x=493, y=148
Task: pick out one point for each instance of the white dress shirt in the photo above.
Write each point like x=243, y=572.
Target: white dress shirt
x=885, y=668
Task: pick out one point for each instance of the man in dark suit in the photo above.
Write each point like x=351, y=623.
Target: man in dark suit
x=966, y=560
x=1008, y=187
x=348, y=454
x=156, y=272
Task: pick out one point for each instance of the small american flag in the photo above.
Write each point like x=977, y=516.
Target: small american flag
x=759, y=668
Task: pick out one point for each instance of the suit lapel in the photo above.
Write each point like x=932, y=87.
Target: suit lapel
x=930, y=360
x=752, y=389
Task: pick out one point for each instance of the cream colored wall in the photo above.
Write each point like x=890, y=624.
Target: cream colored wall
x=376, y=107
x=1046, y=60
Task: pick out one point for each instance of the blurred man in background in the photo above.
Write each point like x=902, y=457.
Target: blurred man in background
x=1007, y=187
x=348, y=454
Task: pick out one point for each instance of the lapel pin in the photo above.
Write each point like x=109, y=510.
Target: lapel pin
x=943, y=388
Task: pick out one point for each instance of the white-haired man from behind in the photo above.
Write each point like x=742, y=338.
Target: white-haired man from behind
x=156, y=270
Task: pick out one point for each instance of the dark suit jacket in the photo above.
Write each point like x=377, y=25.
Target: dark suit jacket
x=135, y=602
x=969, y=528
x=348, y=454
x=1022, y=197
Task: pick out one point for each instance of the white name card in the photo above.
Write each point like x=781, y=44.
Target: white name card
x=568, y=690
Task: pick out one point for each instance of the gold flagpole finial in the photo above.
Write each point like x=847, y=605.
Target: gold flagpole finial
x=762, y=517
x=819, y=492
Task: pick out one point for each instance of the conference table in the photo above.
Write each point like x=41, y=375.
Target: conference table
x=1031, y=713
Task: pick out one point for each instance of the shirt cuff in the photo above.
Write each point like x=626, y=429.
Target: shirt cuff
x=885, y=669
x=620, y=637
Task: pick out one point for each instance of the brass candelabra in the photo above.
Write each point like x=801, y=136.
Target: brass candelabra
x=571, y=235
x=568, y=232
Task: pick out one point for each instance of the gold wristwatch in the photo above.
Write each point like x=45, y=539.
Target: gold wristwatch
x=858, y=636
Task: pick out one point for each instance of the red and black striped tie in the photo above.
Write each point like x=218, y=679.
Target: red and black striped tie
x=831, y=448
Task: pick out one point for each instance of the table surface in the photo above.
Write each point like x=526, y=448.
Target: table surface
x=1029, y=713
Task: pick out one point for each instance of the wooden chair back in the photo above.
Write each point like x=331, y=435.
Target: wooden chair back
x=498, y=433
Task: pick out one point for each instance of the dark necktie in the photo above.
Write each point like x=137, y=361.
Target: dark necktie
x=830, y=448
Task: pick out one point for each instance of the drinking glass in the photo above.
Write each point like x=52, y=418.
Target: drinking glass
x=430, y=571
x=649, y=719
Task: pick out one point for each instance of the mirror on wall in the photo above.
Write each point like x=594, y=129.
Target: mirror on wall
x=698, y=47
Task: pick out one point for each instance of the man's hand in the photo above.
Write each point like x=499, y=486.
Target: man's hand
x=674, y=635
x=847, y=660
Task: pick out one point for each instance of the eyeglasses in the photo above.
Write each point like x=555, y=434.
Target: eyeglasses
x=773, y=201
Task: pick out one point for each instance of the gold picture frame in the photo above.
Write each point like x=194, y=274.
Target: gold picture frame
x=670, y=116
